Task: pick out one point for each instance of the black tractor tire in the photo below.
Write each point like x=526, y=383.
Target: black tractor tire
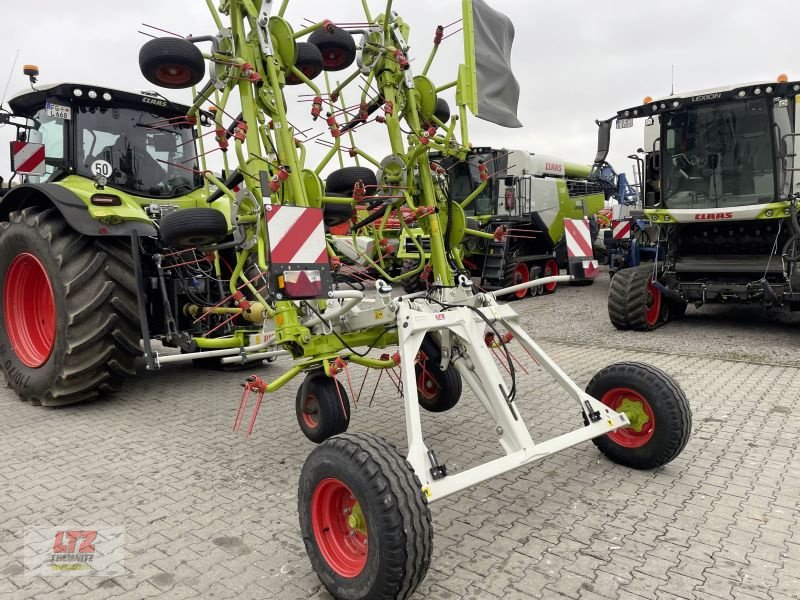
x=337, y=48
x=666, y=431
x=343, y=181
x=69, y=329
x=364, y=518
x=171, y=62
x=321, y=411
x=308, y=62
x=632, y=300
x=414, y=283
x=437, y=390
x=336, y=214
x=193, y=228
x=442, y=111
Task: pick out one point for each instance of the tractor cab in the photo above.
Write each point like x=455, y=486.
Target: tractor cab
x=721, y=148
x=464, y=178
x=138, y=143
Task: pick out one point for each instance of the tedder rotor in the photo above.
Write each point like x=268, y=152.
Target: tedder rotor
x=363, y=506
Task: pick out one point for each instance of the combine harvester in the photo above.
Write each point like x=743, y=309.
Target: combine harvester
x=719, y=185
x=513, y=230
x=363, y=506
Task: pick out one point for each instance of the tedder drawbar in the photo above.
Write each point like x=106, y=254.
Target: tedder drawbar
x=363, y=507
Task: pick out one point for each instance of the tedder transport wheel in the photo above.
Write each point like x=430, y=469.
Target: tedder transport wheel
x=172, y=63
x=193, y=227
x=322, y=407
x=343, y=181
x=365, y=522
x=69, y=330
x=634, y=302
x=414, y=283
x=337, y=48
x=660, y=416
x=308, y=62
x=437, y=390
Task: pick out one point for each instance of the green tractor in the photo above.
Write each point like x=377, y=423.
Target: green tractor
x=109, y=186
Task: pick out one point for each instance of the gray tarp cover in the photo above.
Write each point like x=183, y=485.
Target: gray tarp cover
x=498, y=90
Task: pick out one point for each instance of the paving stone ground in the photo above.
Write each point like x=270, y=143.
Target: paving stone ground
x=210, y=514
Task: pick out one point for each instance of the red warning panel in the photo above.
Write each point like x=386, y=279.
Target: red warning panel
x=27, y=158
x=582, y=264
x=621, y=229
x=298, y=251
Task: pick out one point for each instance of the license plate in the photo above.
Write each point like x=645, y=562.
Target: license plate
x=624, y=123
x=58, y=111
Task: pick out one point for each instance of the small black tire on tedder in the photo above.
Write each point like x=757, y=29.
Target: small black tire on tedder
x=364, y=518
x=193, y=228
x=308, y=62
x=336, y=46
x=437, y=390
x=171, y=62
x=322, y=407
x=660, y=416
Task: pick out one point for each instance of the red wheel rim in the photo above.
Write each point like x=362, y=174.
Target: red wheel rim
x=639, y=413
x=653, y=300
x=332, y=57
x=310, y=411
x=550, y=268
x=30, y=310
x=427, y=386
x=521, y=275
x=339, y=526
x=173, y=74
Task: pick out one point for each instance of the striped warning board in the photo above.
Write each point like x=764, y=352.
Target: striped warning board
x=621, y=229
x=582, y=264
x=296, y=235
x=27, y=158
x=298, y=253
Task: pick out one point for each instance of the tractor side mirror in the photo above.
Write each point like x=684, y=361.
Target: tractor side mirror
x=603, y=140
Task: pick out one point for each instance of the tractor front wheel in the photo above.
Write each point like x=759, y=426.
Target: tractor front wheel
x=658, y=411
x=365, y=521
x=69, y=330
x=634, y=300
x=322, y=407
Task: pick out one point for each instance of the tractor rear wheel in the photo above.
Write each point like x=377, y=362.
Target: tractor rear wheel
x=322, y=407
x=69, y=329
x=660, y=416
x=364, y=518
x=634, y=301
x=437, y=390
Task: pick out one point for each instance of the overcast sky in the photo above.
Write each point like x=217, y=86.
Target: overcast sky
x=576, y=60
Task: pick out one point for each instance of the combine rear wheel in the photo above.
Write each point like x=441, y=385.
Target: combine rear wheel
x=634, y=301
x=660, y=416
x=69, y=329
x=364, y=519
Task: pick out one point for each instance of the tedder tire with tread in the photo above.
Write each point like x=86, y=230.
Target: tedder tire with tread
x=193, y=228
x=172, y=63
x=337, y=47
x=343, y=181
x=322, y=407
x=660, y=416
x=365, y=521
x=634, y=302
x=308, y=62
x=414, y=283
x=437, y=390
x=69, y=329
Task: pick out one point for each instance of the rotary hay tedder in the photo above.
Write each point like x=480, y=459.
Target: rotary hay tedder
x=363, y=507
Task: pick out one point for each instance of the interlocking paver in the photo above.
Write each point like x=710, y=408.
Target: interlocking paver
x=209, y=514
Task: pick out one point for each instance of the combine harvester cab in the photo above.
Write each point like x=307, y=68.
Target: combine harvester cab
x=719, y=186
x=513, y=230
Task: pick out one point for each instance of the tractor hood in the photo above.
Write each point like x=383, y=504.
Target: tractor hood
x=28, y=102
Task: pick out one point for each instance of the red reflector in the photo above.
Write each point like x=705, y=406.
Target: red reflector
x=106, y=200
x=302, y=284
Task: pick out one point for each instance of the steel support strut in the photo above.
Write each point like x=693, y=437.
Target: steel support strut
x=475, y=363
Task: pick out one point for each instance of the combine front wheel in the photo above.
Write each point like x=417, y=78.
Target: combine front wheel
x=634, y=300
x=658, y=411
x=365, y=521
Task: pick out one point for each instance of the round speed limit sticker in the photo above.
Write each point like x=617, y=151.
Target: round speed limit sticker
x=101, y=168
